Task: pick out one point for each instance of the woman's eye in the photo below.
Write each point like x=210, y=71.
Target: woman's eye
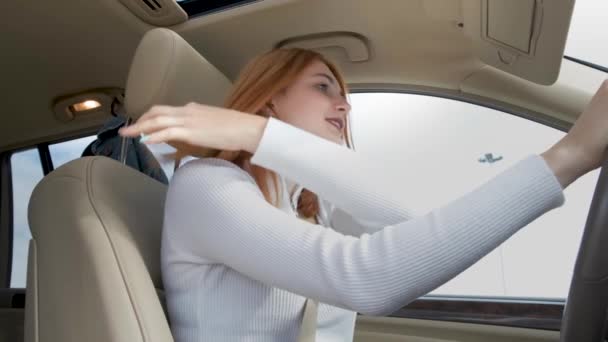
x=323, y=86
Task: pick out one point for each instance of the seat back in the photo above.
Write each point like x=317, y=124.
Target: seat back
x=94, y=258
x=94, y=265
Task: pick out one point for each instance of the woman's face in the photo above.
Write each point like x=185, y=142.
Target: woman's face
x=314, y=103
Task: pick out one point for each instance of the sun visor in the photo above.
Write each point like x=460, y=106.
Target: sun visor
x=525, y=38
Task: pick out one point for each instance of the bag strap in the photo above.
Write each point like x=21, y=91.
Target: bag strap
x=308, y=330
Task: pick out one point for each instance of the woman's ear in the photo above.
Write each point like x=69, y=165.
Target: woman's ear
x=270, y=110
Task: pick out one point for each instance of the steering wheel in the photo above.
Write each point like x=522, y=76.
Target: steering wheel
x=584, y=318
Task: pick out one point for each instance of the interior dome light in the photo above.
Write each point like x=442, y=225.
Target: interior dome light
x=84, y=106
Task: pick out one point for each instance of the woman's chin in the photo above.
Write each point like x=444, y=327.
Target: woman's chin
x=332, y=136
x=336, y=139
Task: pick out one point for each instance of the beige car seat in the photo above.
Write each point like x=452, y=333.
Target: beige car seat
x=94, y=258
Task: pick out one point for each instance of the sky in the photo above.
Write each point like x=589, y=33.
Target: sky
x=536, y=262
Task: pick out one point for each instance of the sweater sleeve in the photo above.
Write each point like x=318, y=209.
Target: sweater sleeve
x=350, y=181
x=218, y=214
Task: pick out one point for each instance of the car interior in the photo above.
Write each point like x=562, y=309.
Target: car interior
x=93, y=270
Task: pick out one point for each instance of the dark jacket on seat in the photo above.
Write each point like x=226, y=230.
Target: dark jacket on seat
x=139, y=157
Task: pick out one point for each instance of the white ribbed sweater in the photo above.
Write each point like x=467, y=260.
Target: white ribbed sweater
x=235, y=268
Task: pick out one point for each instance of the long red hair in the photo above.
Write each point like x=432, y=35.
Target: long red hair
x=259, y=81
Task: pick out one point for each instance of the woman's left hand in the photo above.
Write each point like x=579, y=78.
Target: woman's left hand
x=196, y=126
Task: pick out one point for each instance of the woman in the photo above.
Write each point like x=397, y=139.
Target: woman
x=237, y=263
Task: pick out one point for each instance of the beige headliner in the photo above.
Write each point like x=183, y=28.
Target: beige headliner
x=55, y=48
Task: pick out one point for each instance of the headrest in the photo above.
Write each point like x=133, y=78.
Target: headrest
x=167, y=70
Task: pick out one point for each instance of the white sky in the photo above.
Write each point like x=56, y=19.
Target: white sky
x=588, y=34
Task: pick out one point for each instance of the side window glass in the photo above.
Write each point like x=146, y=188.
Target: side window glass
x=26, y=169
x=26, y=172
x=66, y=151
x=450, y=147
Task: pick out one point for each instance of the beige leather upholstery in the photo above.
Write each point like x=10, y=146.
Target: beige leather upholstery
x=167, y=70
x=94, y=259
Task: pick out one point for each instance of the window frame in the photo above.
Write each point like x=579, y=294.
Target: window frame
x=530, y=314
x=6, y=219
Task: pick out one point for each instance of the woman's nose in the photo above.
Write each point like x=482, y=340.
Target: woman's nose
x=343, y=105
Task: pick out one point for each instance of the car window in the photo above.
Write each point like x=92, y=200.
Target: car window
x=588, y=32
x=26, y=171
x=64, y=152
x=453, y=147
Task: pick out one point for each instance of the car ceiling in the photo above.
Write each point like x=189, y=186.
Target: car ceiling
x=62, y=47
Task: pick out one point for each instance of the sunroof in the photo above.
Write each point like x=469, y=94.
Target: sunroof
x=200, y=7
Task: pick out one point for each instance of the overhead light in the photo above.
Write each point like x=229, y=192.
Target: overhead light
x=84, y=106
x=93, y=105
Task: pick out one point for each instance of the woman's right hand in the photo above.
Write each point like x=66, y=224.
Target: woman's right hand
x=197, y=127
x=583, y=149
